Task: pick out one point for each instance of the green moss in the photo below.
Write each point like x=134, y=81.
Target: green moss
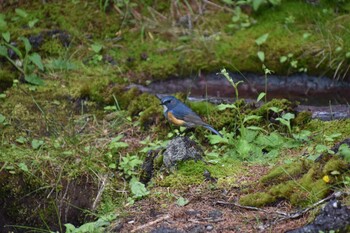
x=143, y=102
x=265, y=110
x=334, y=164
x=6, y=78
x=286, y=171
x=189, y=173
x=52, y=47
x=202, y=108
x=150, y=115
x=329, y=128
x=302, y=118
x=257, y=199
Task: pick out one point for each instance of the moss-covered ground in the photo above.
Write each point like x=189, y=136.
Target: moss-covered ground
x=72, y=148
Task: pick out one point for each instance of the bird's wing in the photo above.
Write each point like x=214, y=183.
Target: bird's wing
x=185, y=113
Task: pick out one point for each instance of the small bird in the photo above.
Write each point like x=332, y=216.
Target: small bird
x=179, y=114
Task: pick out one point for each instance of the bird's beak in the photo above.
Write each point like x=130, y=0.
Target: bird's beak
x=158, y=97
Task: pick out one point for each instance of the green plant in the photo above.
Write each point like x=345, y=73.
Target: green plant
x=128, y=165
x=286, y=120
x=293, y=62
x=261, y=40
x=97, y=226
x=97, y=56
x=114, y=148
x=27, y=61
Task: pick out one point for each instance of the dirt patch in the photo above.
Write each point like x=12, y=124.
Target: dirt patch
x=204, y=214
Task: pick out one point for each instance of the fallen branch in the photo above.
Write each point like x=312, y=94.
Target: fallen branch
x=286, y=215
x=151, y=223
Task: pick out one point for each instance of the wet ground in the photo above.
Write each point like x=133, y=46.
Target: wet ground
x=326, y=98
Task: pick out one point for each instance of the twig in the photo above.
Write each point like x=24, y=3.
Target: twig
x=285, y=215
x=241, y=206
x=151, y=223
x=218, y=6
x=100, y=191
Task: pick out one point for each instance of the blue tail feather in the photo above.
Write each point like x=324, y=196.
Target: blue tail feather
x=212, y=130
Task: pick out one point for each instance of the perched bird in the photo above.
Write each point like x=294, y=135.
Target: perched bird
x=179, y=114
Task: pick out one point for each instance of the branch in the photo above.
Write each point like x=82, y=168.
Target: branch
x=151, y=223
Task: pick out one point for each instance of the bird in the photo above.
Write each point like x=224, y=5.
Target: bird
x=180, y=114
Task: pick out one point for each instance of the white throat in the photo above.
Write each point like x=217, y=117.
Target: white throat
x=165, y=108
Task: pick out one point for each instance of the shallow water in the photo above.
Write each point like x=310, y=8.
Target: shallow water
x=326, y=98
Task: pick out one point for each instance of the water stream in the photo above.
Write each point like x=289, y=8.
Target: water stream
x=326, y=98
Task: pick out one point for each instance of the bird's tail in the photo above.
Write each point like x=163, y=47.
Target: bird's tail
x=212, y=129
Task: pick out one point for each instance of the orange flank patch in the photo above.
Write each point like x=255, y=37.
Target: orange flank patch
x=174, y=120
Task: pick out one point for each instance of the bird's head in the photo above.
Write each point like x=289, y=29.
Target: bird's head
x=168, y=102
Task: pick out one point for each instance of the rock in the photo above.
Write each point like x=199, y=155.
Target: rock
x=181, y=149
x=333, y=217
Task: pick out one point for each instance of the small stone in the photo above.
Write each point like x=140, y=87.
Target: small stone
x=209, y=227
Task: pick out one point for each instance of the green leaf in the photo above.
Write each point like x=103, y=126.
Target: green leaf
x=344, y=150
x=70, y=228
x=21, y=13
x=321, y=148
x=96, y=47
x=275, y=2
x=21, y=140
x=252, y=127
x=257, y=3
x=16, y=50
x=36, y=144
x=27, y=44
x=251, y=117
x=261, y=95
x=3, y=23
x=221, y=107
x=306, y=35
x=6, y=36
x=2, y=118
x=302, y=135
x=36, y=59
x=288, y=116
x=262, y=39
x=3, y=51
x=60, y=64
x=23, y=167
x=137, y=188
x=283, y=59
x=294, y=63
x=34, y=79
x=347, y=55
x=32, y=23
x=182, y=201
x=275, y=109
x=261, y=56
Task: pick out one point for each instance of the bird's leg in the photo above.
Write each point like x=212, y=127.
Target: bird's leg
x=188, y=130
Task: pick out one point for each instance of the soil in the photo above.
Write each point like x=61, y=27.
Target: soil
x=204, y=213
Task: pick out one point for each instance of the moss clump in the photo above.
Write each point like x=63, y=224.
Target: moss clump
x=6, y=78
x=257, y=199
x=334, y=164
x=302, y=118
x=202, y=108
x=265, y=111
x=150, y=116
x=284, y=172
x=189, y=173
x=52, y=47
x=329, y=128
x=141, y=103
